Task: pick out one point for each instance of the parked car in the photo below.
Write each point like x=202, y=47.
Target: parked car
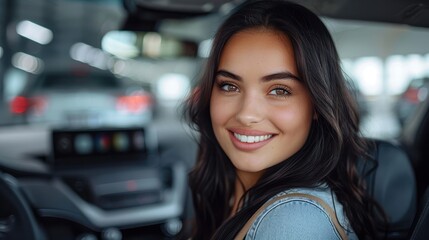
x=415, y=94
x=83, y=97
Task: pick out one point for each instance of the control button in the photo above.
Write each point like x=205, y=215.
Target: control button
x=111, y=234
x=172, y=227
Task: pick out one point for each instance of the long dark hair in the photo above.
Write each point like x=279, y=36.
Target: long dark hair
x=330, y=152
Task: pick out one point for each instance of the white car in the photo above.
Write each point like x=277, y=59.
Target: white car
x=83, y=99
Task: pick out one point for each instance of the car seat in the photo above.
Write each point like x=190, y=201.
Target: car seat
x=391, y=182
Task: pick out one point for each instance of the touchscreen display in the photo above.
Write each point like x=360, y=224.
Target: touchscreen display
x=86, y=146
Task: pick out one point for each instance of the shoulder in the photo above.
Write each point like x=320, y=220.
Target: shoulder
x=297, y=216
x=293, y=218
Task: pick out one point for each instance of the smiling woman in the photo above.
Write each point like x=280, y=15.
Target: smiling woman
x=276, y=119
x=267, y=103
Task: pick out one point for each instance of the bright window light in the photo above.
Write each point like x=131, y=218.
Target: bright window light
x=396, y=74
x=34, y=32
x=415, y=65
x=400, y=70
x=368, y=72
x=173, y=86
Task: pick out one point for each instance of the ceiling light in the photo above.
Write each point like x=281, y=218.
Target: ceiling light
x=95, y=57
x=27, y=62
x=34, y=32
x=120, y=44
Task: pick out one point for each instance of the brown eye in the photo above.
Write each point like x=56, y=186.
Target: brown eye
x=279, y=92
x=229, y=87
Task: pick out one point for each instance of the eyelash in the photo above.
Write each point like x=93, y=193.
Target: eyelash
x=286, y=91
x=225, y=84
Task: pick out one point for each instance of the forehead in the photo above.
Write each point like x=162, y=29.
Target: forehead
x=258, y=48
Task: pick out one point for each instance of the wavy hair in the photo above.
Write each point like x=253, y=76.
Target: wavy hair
x=330, y=153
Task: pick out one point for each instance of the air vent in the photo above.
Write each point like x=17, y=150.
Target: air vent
x=118, y=201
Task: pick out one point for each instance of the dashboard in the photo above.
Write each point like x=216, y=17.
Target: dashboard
x=82, y=183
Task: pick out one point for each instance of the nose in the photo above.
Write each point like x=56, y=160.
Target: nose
x=251, y=110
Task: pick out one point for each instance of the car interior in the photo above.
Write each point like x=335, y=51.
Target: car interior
x=81, y=178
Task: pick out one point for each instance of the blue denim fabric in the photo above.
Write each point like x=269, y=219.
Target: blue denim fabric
x=300, y=218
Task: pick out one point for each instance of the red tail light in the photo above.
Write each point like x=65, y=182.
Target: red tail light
x=20, y=105
x=134, y=103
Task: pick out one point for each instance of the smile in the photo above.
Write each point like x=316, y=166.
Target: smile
x=251, y=139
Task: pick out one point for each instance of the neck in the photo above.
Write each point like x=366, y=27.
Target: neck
x=243, y=182
x=246, y=180
x=239, y=191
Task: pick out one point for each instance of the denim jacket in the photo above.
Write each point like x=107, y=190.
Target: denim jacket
x=300, y=218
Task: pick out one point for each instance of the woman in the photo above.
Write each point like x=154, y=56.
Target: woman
x=276, y=118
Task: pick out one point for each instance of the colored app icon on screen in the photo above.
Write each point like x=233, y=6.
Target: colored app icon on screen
x=83, y=144
x=120, y=142
x=103, y=142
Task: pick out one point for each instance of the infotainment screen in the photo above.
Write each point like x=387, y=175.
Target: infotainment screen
x=95, y=146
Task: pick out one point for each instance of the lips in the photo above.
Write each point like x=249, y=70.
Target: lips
x=246, y=140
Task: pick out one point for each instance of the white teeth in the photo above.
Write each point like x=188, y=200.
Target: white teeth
x=252, y=139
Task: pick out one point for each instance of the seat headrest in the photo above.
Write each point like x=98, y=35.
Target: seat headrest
x=391, y=181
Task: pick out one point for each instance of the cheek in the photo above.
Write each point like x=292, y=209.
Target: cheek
x=294, y=119
x=214, y=111
x=218, y=112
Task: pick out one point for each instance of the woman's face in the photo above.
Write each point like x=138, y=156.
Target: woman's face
x=261, y=113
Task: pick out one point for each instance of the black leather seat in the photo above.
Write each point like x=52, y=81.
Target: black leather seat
x=391, y=181
x=420, y=230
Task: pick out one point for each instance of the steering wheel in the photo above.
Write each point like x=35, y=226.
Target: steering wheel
x=16, y=218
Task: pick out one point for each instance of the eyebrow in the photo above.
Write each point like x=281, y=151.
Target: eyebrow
x=274, y=76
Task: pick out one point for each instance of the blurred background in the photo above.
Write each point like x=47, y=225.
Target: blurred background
x=46, y=44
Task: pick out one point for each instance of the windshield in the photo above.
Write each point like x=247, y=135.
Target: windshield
x=383, y=62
